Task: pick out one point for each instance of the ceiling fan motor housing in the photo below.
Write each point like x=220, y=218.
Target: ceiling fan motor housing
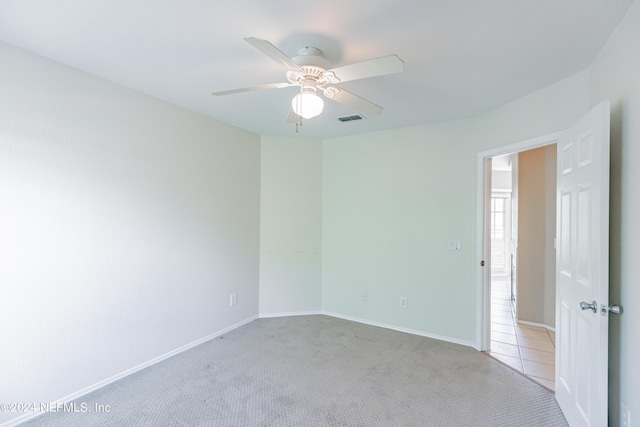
x=311, y=56
x=312, y=67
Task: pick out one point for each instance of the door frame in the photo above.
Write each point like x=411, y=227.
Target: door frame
x=483, y=280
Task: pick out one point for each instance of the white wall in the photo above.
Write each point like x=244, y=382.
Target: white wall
x=546, y=111
x=125, y=224
x=290, y=225
x=615, y=75
x=391, y=200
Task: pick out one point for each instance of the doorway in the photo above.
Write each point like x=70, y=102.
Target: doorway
x=520, y=201
x=582, y=271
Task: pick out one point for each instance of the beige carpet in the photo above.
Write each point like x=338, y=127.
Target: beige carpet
x=320, y=371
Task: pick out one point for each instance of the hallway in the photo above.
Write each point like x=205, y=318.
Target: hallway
x=527, y=349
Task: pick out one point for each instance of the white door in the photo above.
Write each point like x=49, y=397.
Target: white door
x=582, y=257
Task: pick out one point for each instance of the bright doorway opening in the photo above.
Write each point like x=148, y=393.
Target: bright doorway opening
x=521, y=280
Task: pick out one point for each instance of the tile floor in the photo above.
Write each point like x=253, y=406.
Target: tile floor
x=528, y=349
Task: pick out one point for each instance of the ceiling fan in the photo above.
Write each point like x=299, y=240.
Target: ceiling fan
x=311, y=71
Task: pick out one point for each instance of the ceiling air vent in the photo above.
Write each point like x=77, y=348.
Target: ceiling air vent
x=350, y=118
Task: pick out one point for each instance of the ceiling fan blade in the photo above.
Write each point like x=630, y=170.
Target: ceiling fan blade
x=389, y=64
x=367, y=108
x=273, y=52
x=292, y=117
x=250, y=88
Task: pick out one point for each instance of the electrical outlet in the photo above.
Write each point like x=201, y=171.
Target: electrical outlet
x=233, y=299
x=364, y=296
x=404, y=303
x=454, y=244
x=625, y=416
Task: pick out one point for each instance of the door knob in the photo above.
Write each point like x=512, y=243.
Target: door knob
x=586, y=306
x=615, y=309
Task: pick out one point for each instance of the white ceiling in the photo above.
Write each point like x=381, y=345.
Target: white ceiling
x=462, y=57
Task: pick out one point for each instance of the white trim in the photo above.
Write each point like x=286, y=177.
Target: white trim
x=483, y=289
x=100, y=384
x=517, y=147
x=400, y=329
x=287, y=314
x=538, y=325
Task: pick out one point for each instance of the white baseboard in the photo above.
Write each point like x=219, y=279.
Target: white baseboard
x=539, y=325
x=87, y=390
x=287, y=314
x=369, y=322
x=400, y=329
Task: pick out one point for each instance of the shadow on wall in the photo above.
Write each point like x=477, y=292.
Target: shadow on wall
x=615, y=253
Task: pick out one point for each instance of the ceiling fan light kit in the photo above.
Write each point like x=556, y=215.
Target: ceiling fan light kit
x=307, y=104
x=310, y=71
